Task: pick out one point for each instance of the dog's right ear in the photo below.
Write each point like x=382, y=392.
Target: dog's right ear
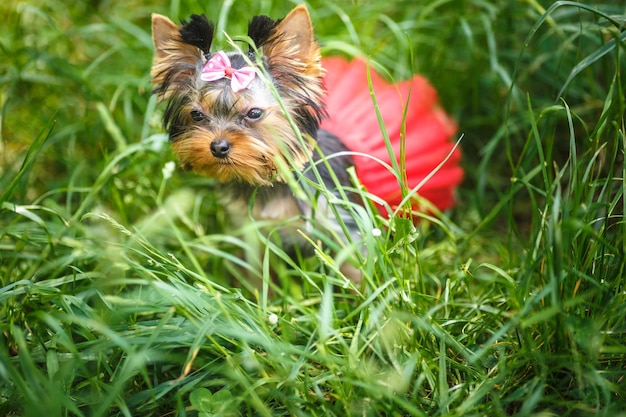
x=178, y=52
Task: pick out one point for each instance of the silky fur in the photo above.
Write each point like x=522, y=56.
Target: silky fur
x=200, y=113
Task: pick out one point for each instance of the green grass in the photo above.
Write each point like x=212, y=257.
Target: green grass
x=122, y=292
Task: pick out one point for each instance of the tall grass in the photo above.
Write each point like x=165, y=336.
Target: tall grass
x=123, y=292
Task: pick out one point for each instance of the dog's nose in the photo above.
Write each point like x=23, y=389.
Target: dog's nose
x=220, y=148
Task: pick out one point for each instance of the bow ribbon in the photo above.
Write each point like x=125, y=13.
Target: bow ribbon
x=219, y=67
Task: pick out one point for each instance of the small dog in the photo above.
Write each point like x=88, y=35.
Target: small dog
x=251, y=121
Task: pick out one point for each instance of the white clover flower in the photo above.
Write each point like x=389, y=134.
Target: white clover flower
x=168, y=169
x=273, y=319
x=376, y=232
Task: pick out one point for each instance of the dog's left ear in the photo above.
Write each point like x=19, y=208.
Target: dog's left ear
x=291, y=47
x=178, y=51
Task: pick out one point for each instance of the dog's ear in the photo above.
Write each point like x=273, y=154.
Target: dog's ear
x=291, y=47
x=164, y=34
x=292, y=56
x=178, y=52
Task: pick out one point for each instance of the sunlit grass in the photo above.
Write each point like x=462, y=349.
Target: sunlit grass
x=123, y=290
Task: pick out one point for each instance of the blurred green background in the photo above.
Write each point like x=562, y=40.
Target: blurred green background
x=112, y=299
x=82, y=65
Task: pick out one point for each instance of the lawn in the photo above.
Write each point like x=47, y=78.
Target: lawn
x=122, y=291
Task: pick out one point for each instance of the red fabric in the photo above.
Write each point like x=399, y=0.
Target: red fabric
x=429, y=131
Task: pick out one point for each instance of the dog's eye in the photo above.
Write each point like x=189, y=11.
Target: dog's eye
x=254, y=114
x=197, y=115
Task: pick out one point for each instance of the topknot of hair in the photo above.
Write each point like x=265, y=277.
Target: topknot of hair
x=260, y=29
x=198, y=32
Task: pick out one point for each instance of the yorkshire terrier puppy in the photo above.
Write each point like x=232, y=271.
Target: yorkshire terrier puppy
x=251, y=119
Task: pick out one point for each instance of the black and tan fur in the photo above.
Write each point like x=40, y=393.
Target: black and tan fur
x=218, y=133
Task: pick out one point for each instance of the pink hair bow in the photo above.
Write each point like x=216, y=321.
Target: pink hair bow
x=219, y=67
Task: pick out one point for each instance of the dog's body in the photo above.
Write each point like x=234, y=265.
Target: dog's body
x=250, y=123
x=277, y=204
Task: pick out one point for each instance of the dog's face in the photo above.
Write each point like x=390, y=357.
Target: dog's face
x=238, y=132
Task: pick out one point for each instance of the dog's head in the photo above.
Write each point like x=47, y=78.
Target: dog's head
x=229, y=114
